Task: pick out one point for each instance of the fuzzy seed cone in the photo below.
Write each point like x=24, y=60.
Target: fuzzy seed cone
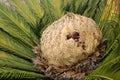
x=70, y=39
x=66, y=42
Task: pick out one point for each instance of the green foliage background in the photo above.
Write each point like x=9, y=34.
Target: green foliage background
x=22, y=23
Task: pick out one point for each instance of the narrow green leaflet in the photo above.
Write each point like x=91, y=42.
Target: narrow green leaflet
x=111, y=32
x=23, y=10
x=109, y=69
x=13, y=45
x=100, y=11
x=16, y=27
x=106, y=14
x=13, y=74
x=91, y=8
x=77, y=6
x=53, y=10
x=35, y=7
x=9, y=60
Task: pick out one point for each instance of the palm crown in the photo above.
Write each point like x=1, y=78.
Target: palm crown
x=22, y=22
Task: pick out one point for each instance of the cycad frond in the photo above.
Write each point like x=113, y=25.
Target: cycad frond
x=13, y=45
x=110, y=67
x=22, y=9
x=10, y=73
x=35, y=7
x=15, y=26
x=9, y=60
x=91, y=8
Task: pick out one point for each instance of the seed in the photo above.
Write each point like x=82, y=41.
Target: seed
x=83, y=46
x=75, y=35
x=78, y=44
x=83, y=42
x=69, y=36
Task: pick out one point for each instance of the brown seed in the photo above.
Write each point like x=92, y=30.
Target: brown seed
x=75, y=35
x=83, y=46
x=69, y=36
x=83, y=42
x=78, y=44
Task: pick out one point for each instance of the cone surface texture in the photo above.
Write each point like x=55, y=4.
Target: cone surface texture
x=69, y=40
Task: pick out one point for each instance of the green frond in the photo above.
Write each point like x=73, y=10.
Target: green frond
x=109, y=68
x=111, y=32
x=22, y=9
x=100, y=11
x=9, y=60
x=77, y=6
x=53, y=10
x=80, y=6
x=10, y=22
x=35, y=7
x=8, y=43
x=106, y=13
x=13, y=74
x=91, y=8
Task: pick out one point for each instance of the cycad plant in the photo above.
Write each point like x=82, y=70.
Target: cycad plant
x=23, y=21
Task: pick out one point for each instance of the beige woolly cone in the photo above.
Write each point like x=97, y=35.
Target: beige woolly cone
x=66, y=42
x=70, y=39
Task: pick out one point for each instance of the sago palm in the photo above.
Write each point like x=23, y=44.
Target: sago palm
x=22, y=22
